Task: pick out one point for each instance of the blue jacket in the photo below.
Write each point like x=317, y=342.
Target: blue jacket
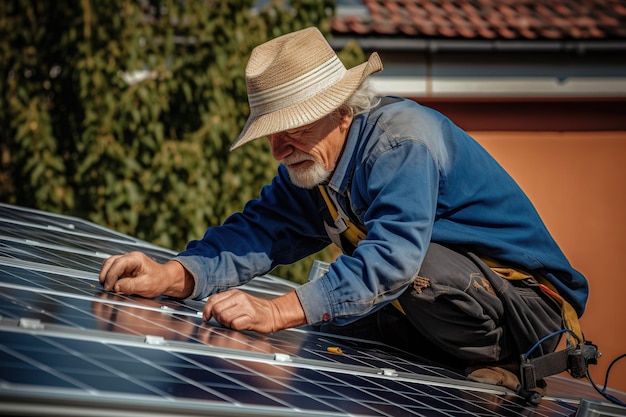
x=410, y=176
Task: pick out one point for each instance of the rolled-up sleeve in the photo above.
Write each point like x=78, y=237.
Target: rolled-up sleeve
x=316, y=300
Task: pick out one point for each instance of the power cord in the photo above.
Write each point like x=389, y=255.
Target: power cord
x=543, y=339
x=602, y=391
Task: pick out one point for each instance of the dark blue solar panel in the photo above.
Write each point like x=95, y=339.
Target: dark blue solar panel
x=63, y=338
x=128, y=367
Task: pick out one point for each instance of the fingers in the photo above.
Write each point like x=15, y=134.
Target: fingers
x=131, y=286
x=136, y=273
x=239, y=311
x=129, y=274
x=111, y=271
x=217, y=306
x=106, y=265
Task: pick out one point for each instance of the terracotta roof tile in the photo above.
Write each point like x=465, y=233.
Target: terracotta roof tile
x=489, y=19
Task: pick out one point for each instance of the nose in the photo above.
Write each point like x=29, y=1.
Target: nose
x=280, y=145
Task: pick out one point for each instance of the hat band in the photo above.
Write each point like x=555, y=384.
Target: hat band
x=299, y=89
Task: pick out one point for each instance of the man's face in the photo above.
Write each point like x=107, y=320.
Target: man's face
x=310, y=152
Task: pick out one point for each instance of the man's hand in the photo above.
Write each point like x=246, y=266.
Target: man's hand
x=241, y=311
x=136, y=273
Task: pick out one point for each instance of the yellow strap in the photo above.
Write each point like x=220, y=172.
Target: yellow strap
x=354, y=232
x=570, y=318
x=397, y=305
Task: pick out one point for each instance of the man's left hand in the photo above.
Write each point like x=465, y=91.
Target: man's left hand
x=242, y=311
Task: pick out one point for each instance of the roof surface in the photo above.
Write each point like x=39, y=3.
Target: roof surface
x=486, y=19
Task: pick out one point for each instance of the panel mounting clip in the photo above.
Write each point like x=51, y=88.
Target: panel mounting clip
x=282, y=357
x=31, y=324
x=154, y=340
x=388, y=372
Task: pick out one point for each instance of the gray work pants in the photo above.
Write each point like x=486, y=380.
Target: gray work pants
x=461, y=314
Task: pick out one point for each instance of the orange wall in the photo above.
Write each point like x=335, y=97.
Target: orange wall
x=577, y=181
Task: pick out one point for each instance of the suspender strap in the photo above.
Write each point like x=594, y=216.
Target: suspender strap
x=354, y=232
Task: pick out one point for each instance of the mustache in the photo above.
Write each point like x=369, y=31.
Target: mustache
x=296, y=158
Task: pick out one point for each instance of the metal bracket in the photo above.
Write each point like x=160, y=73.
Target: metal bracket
x=575, y=360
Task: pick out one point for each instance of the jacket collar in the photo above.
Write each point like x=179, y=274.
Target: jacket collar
x=342, y=174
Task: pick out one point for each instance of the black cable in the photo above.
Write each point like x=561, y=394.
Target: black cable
x=602, y=391
x=613, y=362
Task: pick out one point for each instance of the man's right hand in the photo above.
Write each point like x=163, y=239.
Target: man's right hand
x=136, y=273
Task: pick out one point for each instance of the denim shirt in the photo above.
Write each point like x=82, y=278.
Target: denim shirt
x=411, y=177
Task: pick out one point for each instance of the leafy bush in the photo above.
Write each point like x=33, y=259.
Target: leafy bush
x=122, y=112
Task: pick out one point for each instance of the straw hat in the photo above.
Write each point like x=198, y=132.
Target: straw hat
x=296, y=79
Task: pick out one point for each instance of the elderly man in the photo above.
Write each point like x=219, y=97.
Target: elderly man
x=443, y=254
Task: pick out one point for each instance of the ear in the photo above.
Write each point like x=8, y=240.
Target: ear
x=345, y=121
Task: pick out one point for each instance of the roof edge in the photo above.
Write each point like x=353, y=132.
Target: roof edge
x=448, y=45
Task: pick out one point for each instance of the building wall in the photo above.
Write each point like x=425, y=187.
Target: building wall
x=577, y=181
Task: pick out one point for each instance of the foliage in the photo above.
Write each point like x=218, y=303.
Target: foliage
x=122, y=112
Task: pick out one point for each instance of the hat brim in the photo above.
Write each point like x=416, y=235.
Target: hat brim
x=310, y=110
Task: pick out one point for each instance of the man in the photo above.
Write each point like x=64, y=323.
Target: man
x=444, y=255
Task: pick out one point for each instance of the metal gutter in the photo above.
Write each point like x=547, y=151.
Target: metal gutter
x=489, y=86
x=456, y=45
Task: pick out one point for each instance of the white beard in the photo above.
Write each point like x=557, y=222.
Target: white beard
x=308, y=177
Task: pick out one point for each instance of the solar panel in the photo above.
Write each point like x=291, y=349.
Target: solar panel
x=69, y=348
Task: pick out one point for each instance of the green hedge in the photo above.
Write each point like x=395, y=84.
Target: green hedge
x=147, y=158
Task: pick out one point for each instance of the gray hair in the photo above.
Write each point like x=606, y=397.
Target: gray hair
x=362, y=100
